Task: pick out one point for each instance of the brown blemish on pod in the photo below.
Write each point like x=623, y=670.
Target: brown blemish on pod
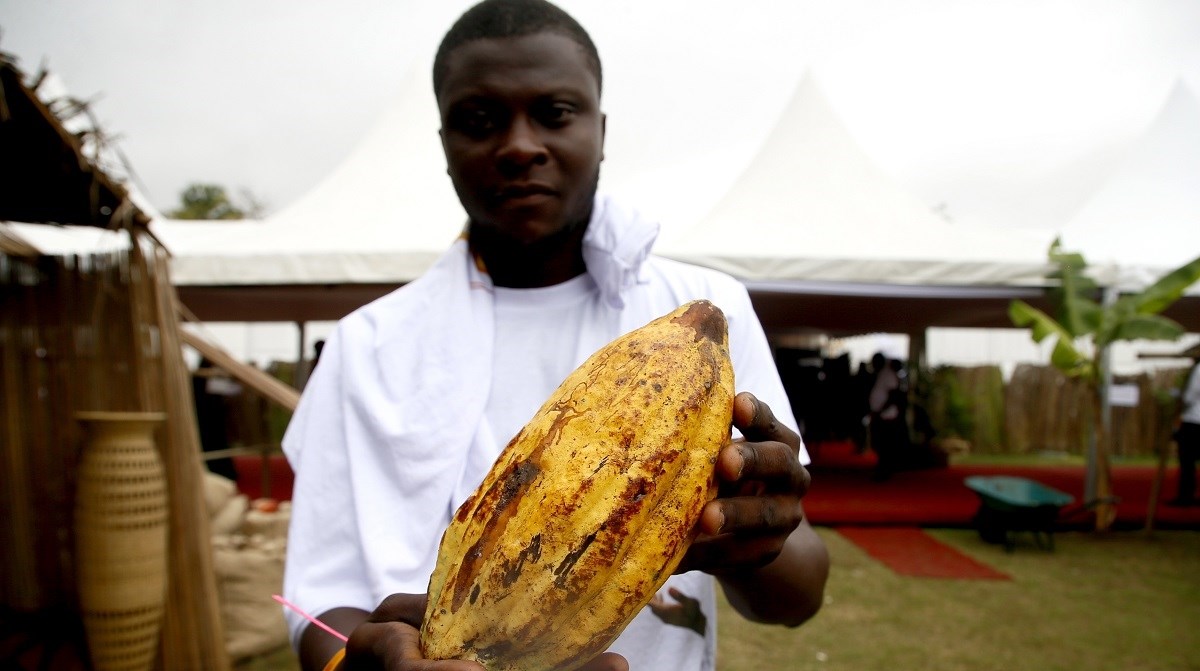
x=706, y=320
x=497, y=501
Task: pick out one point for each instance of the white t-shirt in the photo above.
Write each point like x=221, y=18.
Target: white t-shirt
x=1191, y=397
x=539, y=331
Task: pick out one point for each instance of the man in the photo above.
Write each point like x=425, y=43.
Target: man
x=1187, y=437
x=887, y=421
x=418, y=392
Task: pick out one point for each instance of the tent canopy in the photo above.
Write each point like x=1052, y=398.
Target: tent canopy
x=812, y=206
x=1145, y=219
x=811, y=217
x=823, y=238
x=381, y=217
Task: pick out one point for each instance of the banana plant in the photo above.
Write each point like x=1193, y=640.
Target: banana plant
x=1079, y=317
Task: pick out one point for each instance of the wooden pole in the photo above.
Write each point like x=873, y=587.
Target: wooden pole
x=258, y=380
x=1160, y=474
x=301, y=376
x=193, y=631
x=1102, y=493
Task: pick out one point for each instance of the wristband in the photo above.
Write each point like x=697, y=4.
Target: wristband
x=334, y=661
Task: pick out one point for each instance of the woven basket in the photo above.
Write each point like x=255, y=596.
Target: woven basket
x=121, y=539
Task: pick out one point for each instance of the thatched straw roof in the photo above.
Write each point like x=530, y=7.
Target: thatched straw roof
x=49, y=174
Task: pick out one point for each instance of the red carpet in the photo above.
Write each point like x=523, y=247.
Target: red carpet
x=842, y=493
x=909, y=551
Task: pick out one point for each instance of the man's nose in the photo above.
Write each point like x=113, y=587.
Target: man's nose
x=522, y=145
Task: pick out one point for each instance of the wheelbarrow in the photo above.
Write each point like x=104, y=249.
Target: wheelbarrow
x=1009, y=505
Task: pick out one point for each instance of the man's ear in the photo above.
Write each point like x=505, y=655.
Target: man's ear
x=442, y=139
x=603, y=131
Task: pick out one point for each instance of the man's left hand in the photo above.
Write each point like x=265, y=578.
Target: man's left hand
x=761, y=482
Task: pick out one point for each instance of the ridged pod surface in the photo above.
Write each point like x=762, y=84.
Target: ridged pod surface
x=590, y=508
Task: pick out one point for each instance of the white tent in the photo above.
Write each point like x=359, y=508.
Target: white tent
x=1145, y=219
x=382, y=216
x=1142, y=221
x=827, y=241
x=812, y=206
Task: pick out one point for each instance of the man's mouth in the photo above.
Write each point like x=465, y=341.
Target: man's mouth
x=519, y=194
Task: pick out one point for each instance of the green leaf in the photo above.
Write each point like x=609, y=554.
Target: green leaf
x=1130, y=317
x=1076, y=311
x=1039, y=323
x=1065, y=356
x=1148, y=327
x=1069, y=360
x=1111, y=319
x=1160, y=295
x=1087, y=315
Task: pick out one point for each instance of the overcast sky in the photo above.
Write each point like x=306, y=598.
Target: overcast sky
x=1008, y=113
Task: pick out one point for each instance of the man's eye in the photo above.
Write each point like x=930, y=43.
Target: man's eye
x=557, y=114
x=474, y=121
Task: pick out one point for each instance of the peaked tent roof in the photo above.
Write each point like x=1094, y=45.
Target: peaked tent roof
x=812, y=206
x=382, y=216
x=1145, y=219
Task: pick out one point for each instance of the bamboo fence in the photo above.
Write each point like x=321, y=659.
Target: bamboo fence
x=1041, y=410
x=1048, y=411
x=97, y=332
x=967, y=403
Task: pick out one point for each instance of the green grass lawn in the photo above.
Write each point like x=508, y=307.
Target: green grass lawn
x=1099, y=602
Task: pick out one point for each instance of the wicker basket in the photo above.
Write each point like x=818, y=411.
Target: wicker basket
x=121, y=539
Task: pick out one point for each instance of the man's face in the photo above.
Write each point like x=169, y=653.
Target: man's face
x=523, y=133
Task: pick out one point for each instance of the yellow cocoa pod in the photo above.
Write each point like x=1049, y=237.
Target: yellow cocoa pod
x=590, y=508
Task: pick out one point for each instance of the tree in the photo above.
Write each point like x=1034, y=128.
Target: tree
x=210, y=201
x=1078, y=318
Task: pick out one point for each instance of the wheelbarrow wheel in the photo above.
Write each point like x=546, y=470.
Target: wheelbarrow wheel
x=991, y=528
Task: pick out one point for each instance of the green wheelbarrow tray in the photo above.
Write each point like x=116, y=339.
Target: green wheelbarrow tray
x=1008, y=505
x=1006, y=492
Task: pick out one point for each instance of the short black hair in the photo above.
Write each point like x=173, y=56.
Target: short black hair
x=511, y=18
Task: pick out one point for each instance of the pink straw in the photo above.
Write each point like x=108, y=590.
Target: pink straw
x=310, y=618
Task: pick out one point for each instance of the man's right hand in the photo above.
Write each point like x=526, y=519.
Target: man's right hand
x=390, y=640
